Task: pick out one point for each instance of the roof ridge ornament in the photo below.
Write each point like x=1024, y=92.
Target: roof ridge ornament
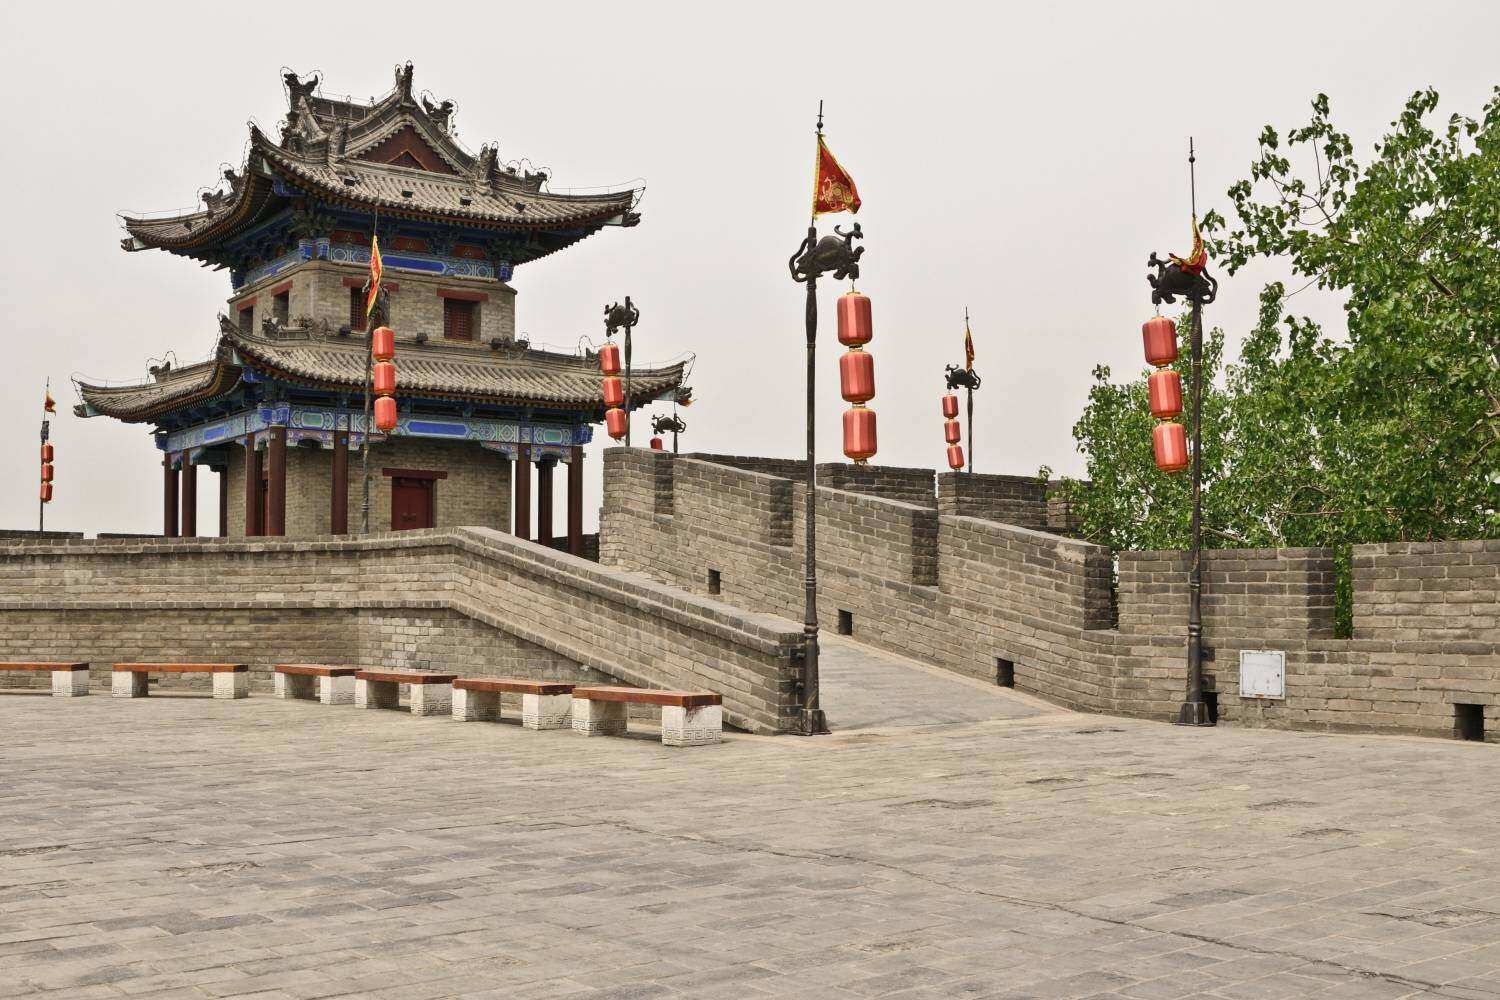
x=441, y=114
x=403, y=83
x=484, y=164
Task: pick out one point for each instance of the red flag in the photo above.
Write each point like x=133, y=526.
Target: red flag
x=377, y=270
x=49, y=405
x=1197, y=260
x=833, y=188
x=968, y=346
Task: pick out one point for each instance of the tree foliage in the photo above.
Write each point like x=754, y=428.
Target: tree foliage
x=1386, y=430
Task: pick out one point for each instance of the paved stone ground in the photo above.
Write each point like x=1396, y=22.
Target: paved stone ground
x=865, y=688
x=184, y=847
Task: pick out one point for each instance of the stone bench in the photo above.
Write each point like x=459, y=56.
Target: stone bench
x=69, y=680
x=544, y=704
x=431, y=694
x=688, y=718
x=322, y=682
x=231, y=680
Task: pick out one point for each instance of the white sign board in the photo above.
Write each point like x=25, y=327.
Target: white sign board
x=1262, y=673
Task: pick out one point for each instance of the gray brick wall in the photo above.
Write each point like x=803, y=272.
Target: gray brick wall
x=966, y=591
x=1014, y=500
x=477, y=600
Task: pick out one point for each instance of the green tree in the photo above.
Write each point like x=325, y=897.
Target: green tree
x=1385, y=431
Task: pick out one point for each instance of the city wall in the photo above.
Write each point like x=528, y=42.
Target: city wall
x=469, y=600
x=951, y=582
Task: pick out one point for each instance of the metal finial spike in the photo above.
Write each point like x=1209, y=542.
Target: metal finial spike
x=1193, y=176
x=820, y=117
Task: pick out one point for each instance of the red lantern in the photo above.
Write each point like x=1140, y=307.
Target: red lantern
x=1169, y=441
x=385, y=378
x=615, y=421
x=46, y=493
x=1160, y=336
x=1165, y=387
x=857, y=376
x=46, y=453
x=854, y=319
x=385, y=414
x=859, y=433
x=951, y=432
x=47, y=473
x=955, y=457
x=656, y=444
x=950, y=406
x=614, y=391
x=383, y=343
x=609, y=359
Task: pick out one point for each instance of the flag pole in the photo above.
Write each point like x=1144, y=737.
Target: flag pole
x=370, y=315
x=813, y=721
x=968, y=339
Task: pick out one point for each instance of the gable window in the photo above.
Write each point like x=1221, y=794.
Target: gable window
x=247, y=317
x=281, y=307
x=458, y=319
x=356, y=308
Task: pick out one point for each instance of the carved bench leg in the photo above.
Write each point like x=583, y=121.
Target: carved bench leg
x=432, y=699
x=127, y=684
x=546, y=711
x=336, y=690
x=691, y=727
x=235, y=684
x=282, y=686
x=476, y=706
x=70, y=683
x=598, y=718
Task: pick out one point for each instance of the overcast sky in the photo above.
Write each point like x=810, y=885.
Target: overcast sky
x=1020, y=159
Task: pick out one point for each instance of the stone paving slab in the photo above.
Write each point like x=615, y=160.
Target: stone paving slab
x=868, y=688
x=186, y=847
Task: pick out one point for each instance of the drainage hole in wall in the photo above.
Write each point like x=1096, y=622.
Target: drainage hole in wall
x=1005, y=673
x=1468, y=722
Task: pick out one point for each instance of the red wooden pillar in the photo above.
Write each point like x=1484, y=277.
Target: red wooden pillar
x=252, y=488
x=168, y=497
x=339, y=495
x=223, y=472
x=189, y=497
x=276, y=483
x=575, y=502
x=544, y=500
x=523, y=491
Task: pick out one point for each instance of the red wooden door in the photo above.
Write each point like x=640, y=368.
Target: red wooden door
x=411, y=503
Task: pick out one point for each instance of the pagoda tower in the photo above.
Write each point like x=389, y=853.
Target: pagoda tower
x=278, y=407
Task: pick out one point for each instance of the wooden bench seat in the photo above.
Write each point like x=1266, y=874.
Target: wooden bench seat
x=69, y=680
x=688, y=718
x=544, y=704
x=231, y=680
x=431, y=694
x=323, y=682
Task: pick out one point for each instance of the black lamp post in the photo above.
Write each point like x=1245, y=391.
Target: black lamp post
x=838, y=256
x=1191, y=280
x=624, y=317
x=965, y=378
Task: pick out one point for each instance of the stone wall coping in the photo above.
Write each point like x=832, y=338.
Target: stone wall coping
x=767, y=633
x=1181, y=555
x=1060, y=542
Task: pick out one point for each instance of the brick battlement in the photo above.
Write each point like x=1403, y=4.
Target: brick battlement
x=472, y=601
x=974, y=583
